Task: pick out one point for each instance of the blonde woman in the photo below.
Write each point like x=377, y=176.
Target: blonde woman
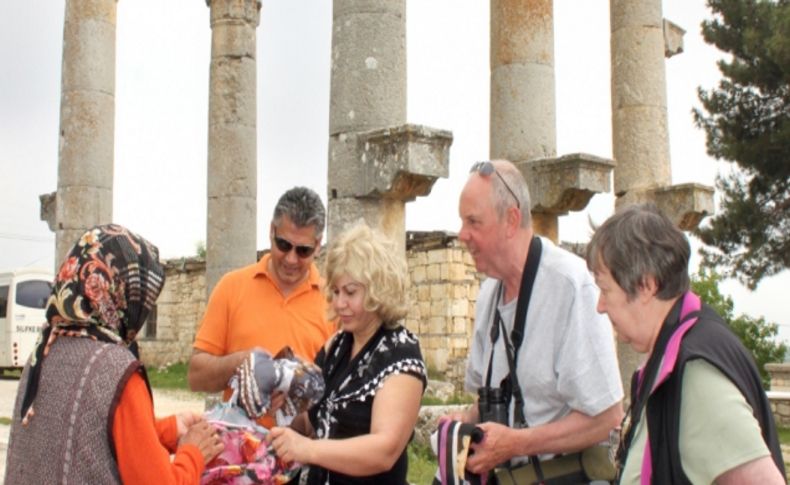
x=373, y=368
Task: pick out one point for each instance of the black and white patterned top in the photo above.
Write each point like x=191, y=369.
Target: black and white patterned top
x=351, y=385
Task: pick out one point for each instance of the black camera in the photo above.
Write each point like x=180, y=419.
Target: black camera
x=493, y=404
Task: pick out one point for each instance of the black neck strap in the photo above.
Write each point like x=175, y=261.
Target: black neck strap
x=517, y=334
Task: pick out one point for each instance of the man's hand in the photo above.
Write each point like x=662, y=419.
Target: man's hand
x=211, y=373
x=496, y=447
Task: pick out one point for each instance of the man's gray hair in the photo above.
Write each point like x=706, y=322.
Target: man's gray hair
x=640, y=242
x=303, y=207
x=502, y=197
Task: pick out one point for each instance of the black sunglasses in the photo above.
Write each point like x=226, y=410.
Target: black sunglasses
x=286, y=246
x=487, y=168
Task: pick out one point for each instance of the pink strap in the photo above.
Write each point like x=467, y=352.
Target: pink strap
x=442, y=438
x=691, y=303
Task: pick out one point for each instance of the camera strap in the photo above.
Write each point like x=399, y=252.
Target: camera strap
x=513, y=345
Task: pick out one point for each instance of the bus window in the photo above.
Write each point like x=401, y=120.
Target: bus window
x=33, y=294
x=3, y=300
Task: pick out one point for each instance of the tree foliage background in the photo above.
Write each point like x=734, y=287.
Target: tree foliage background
x=756, y=334
x=746, y=119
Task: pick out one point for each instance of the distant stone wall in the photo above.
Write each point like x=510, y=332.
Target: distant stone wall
x=779, y=395
x=442, y=296
x=780, y=376
x=179, y=310
x=443, y=293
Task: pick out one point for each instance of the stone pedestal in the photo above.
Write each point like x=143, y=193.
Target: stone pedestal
x=231, y=226
x=560, y=185
x=87, y=122
x=673, y=39
x=391, y=166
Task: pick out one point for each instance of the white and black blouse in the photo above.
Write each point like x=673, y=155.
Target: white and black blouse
x=351, y=385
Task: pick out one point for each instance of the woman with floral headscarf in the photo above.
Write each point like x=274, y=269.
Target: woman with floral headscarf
x=84, y=411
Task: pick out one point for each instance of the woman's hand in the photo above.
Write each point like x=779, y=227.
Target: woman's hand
x=186, y=420
x=205, y=437
x=289, y=445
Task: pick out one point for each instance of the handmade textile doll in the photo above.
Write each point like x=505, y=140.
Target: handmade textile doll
x=248, y=458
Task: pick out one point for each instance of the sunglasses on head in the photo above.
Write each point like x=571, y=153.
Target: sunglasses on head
x=486, y=169
x=286, y=246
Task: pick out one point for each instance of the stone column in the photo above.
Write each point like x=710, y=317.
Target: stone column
x=523, y=107
x=640, y=139
x=87, y=122
x=640, y=39
x=376, y=162
x=523, y=114
x=232, y=156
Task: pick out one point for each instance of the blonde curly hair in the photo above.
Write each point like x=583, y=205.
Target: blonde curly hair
x=367, y=257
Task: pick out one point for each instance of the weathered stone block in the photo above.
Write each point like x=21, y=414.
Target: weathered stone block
x=368, y=72
x=440, y=308
x=440, y=291
x=438, y=256
x=626, y=13
x=418, y=274
x=673, y=38
x=437, y=325
x=559, y=185
x=460, y=324
x=520, y=130
x=459, y=308
x=433, y=272
x=685, y=204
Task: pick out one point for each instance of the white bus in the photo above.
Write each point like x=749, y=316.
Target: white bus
x=23, y=299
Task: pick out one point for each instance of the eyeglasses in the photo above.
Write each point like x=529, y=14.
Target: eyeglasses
x=286, y=246
x=487, y=168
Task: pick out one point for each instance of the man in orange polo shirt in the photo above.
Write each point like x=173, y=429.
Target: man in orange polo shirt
x=270, y=304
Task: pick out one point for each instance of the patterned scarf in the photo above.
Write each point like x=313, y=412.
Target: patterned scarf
x=104, y=291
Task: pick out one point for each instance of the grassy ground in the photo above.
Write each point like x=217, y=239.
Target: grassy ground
x=422, y=464
x=172, y=377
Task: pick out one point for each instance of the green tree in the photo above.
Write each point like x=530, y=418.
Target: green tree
x=756, y=334
x=747, y=121
x=200, y=249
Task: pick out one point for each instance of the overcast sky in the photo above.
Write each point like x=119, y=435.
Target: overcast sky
x=162, y=68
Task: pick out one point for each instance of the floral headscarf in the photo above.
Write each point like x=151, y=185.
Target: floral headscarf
x=104, y=290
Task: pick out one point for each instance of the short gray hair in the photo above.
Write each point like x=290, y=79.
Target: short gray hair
x=640, y=242
x=502, y=197
x=303, y=207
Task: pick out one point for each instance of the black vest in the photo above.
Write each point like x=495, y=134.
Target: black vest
x=712, y=340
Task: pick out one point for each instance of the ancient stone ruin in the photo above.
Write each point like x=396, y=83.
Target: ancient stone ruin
x=377, y=162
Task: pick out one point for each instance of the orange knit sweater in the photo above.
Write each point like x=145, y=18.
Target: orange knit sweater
x=144, y=444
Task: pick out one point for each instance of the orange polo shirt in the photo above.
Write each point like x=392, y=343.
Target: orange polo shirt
x=247, y=309
x=143, y=444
